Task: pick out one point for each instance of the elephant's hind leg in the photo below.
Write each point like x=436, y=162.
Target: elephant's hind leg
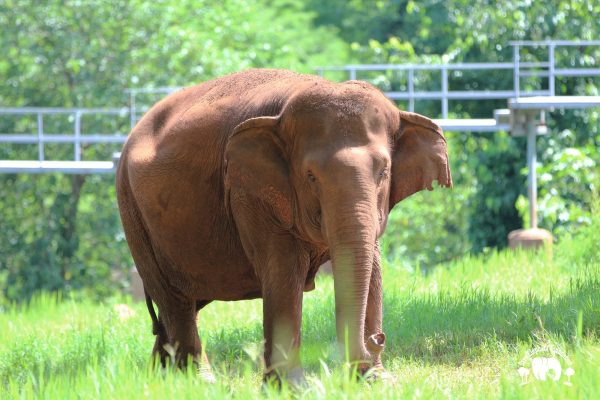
x=183, y=343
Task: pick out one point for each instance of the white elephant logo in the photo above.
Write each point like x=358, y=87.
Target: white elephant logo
x=541, y=366
x=545, y=368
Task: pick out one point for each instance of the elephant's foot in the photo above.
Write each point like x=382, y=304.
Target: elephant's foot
x=294, y=378
x=205, y=370
x=375, y=371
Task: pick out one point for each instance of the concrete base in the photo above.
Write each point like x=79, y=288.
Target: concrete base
x=137, y=287
x=531, y=239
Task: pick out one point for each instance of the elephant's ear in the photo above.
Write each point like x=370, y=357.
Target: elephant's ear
x=256, y=168
x=420, y=157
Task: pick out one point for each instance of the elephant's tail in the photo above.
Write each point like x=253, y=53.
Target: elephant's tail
x=156, y=325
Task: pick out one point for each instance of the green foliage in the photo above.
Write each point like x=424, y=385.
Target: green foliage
x=425, y=24
x=580, y=247
x=427, y=229
x=499, y=183
x=52, y=244
x=566, y=188
x=95, y=50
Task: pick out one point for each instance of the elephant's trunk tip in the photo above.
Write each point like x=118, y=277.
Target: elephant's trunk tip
x=376, y=343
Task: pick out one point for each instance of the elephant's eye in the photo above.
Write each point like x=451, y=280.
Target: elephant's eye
x=311, y=177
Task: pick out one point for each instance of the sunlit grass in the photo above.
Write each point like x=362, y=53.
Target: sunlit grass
x=462, y=330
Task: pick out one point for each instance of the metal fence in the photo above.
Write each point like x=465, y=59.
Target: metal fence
x=537, y=69
x=76, y=137
x=545, y=69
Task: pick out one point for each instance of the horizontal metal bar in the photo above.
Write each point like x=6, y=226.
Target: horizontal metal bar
x=577, y=71
x=163, y=89
x=49, y=138
x=414, y=95
x=426, y=67
x=554, y=42
x=462, y=95
x=59, y=110
x=69, y=167
x=471, y=125
x=549, y=102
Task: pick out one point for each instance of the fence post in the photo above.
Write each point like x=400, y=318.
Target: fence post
x=444, y=92
x=78, y=135
x=551, y=83
x=531, y=166
x=516, y=69
x=40, y=131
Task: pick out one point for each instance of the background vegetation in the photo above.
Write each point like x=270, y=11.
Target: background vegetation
x=61, y=232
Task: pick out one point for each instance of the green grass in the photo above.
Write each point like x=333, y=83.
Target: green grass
x=461, y=331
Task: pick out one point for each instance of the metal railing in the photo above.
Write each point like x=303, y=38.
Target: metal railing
x=77, y=138
x=538, y=69
x=40, y=138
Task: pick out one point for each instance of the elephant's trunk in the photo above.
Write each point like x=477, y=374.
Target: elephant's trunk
x=351, y=230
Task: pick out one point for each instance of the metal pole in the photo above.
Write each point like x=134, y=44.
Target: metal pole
x=444, y=92
x=352, y=74
x=40, y=128
x=411, y=90
x=531, y=164
x=77, y=136
x=551, y=83
x=516, y=57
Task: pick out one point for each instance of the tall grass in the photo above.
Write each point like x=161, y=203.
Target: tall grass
x=462, y=330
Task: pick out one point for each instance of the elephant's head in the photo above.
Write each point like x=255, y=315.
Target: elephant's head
x=329, y=168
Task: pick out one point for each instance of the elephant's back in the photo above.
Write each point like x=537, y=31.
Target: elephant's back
x=191, y=127
x=236, y=96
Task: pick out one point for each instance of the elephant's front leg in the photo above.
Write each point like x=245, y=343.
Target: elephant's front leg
x=282, y=313
x=374, y=336
x=282, y=280
x=281, y=266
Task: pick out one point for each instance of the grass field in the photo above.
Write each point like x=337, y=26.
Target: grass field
x=461, y=331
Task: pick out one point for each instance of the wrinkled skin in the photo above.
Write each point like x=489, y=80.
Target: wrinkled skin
x=241, y=187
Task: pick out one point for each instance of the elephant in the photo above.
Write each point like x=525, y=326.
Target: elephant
x=242, y=186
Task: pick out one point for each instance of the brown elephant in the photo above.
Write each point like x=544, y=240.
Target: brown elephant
x=241, y=187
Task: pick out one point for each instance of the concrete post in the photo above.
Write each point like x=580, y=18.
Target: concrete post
x=532, y=176
x=532, y=238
